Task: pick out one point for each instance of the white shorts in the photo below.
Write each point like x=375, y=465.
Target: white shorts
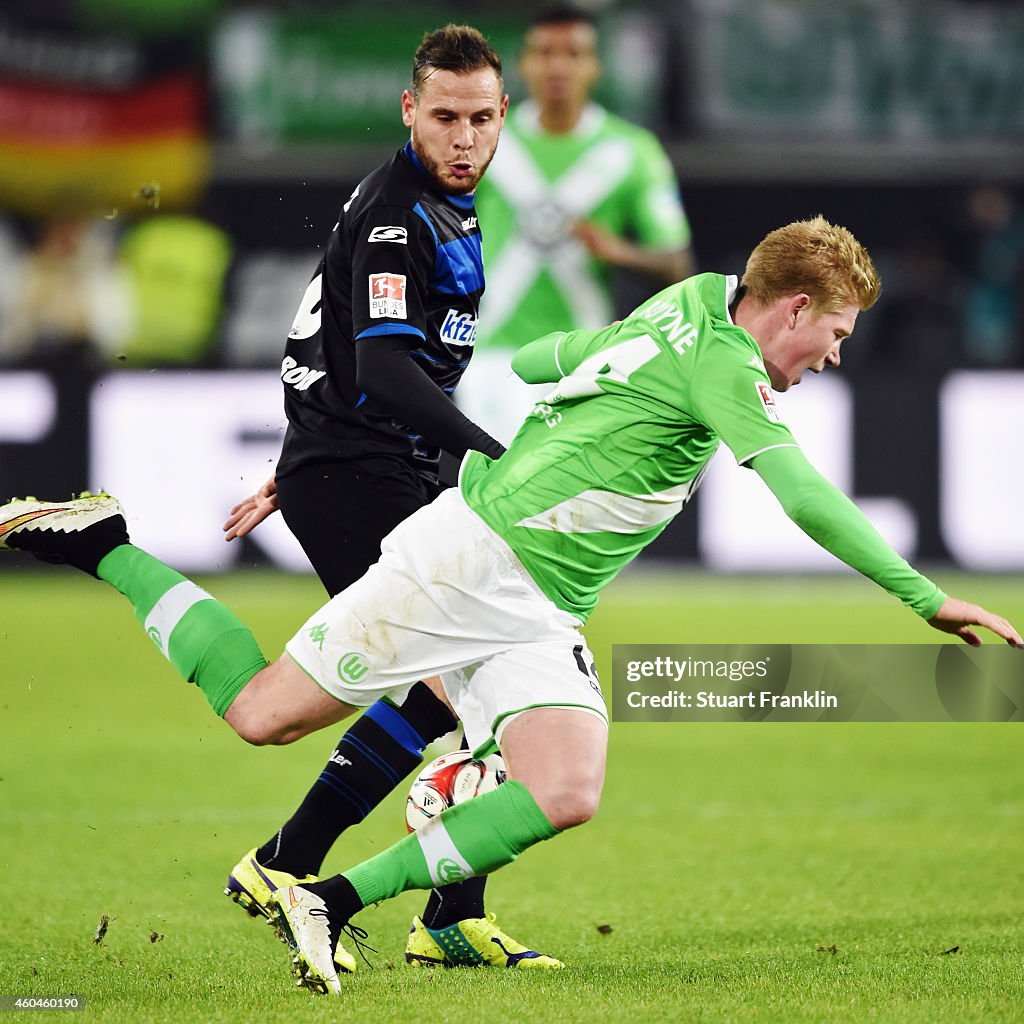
x=448, y=597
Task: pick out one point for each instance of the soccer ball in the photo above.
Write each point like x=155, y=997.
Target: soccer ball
x=448, y=780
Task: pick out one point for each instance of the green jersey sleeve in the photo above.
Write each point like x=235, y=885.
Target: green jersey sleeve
x=537, y=362
x=659, y=219
x=577, y=359
x=828, y=517
x=732, y=394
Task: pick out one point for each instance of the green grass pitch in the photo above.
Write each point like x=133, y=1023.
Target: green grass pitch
x=741, y=872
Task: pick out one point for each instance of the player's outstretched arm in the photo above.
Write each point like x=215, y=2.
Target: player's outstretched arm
x=957, y=617
x=248, y=514
x=830, y=518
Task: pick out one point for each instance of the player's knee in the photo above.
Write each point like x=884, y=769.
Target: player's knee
x=569, y=806
x=252, y=731
x=259, y=729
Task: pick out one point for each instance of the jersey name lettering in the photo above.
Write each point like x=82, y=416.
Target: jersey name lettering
x=681, y=333
x=299, y=377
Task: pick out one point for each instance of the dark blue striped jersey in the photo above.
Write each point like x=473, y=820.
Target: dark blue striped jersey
x=403, y=259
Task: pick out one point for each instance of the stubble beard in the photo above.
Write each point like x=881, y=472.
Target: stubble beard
x=439, y=171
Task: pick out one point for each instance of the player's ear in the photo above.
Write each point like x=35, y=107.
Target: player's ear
x=797, y=304
x=408, y=108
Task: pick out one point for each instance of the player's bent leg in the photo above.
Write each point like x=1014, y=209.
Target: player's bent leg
x=203, y=640
x=281, y=704
x=448, y=904
x=471, y=838
x=379, y=749
x=559, y=755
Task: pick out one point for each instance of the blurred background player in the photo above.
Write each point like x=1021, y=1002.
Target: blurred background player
x=380, y=341
x=574, y=194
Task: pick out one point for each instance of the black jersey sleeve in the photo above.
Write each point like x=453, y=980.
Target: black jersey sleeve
x=393, y=253
x=385, y=370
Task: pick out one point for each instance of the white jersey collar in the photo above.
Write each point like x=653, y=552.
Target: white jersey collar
x=732, y=282
x=591, y=119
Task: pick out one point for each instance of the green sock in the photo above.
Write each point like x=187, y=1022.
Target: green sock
x=206, y=642
x=472, y=838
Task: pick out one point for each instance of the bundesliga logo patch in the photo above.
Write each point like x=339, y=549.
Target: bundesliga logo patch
x=771, y=410
x=387, y=296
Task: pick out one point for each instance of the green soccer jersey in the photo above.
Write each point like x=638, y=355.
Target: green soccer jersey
x=607, y=171
x=612, y=455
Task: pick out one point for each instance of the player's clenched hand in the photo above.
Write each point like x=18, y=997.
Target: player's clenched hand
x=248, y=514
x=957, y=617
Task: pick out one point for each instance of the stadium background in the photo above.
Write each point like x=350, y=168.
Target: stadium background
x=188, y=161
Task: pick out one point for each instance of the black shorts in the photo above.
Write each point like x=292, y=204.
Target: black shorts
x=340, y=511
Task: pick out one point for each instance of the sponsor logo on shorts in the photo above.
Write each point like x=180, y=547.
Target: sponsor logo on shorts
x=458, y=328
x=771, y=410
x=447, y=870
x=318, y=634
x=387, y=296
x=389, y=233
x=352, y=667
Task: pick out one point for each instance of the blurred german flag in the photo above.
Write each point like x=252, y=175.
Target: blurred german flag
x=99, y=122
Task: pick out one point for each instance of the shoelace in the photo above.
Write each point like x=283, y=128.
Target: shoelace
x=357, y=935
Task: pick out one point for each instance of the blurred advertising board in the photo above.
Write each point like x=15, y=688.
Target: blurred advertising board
x=151, y=436
x=911, y=72
x=336, y=76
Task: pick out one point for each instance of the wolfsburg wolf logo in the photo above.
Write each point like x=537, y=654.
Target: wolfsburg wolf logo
x=447, y=870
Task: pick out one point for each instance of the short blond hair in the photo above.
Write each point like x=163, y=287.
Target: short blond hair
x=813, y=256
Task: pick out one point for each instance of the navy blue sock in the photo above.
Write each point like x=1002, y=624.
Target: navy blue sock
x=455, y=902
x=384, y=746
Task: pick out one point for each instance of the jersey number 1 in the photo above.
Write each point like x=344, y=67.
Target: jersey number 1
x=617, y=363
